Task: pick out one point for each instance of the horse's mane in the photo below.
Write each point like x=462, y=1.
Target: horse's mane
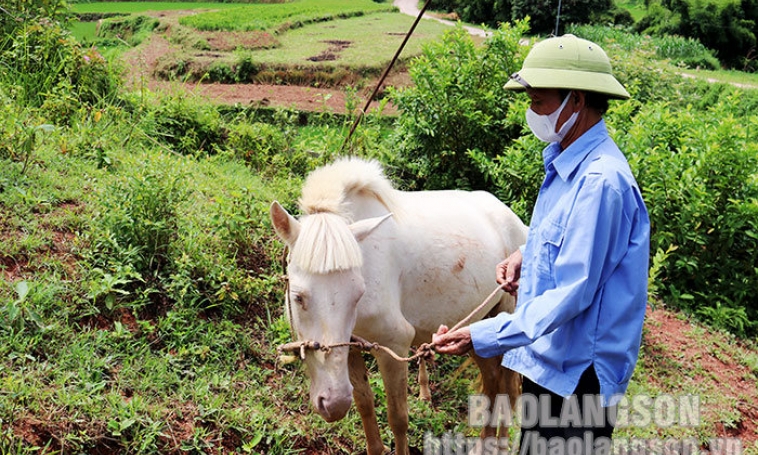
x=325, y=242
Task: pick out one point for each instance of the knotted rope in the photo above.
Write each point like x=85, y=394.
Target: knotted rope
x=423, y=352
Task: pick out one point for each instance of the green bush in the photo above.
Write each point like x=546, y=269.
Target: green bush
x=455, y=104
x=688, y=52
x=135, y=231
x=44, y=65
x=697, y=172
x=187, y=125
x=726, y=27
x=131, y=29
x=679, y=50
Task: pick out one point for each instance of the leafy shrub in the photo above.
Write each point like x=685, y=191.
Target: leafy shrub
x=456, y=103
x=679, y=50
x=727, y=27
x=43, y=66
x=187, y=125
x=685, y=51
x=135, y=231
x=131, y=29
x=697, y=172
x=257, y=144
x=541, y=13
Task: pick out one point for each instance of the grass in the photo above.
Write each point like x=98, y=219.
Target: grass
x=282, y=16
x=367, y=41
x=141, y=7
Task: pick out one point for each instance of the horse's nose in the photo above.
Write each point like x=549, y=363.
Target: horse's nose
x=332, y=407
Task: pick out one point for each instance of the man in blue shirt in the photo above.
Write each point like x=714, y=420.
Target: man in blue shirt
x=582, y=275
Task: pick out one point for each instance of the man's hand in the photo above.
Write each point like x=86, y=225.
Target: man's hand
x=456, y=343
x=508, y=272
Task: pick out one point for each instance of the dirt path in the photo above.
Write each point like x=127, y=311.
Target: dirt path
x=410, y=7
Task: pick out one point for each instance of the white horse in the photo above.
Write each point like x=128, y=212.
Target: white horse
x=388, y=266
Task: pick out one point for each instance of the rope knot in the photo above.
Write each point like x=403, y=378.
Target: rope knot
x=425, y=352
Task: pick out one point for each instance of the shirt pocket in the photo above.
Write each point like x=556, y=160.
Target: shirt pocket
x=551, y=236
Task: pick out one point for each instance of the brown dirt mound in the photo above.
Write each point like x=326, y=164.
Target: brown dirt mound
x=716, y=365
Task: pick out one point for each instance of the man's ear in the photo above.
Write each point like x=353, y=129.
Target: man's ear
x=578, y=97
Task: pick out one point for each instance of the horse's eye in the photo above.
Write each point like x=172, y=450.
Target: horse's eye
x=298, y=299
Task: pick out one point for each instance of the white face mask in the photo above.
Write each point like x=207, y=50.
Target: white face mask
x=543, y=126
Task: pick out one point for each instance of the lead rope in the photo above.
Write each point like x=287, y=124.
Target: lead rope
x=425, y=351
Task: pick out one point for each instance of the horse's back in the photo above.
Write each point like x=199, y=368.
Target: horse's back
x=446, y=248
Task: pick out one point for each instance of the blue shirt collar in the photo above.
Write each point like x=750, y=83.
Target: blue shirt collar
x=565, y=162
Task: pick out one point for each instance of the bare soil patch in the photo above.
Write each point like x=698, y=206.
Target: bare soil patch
x=715, y=363
x=332, y=53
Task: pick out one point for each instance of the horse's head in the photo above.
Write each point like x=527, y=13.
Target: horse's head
x=325, y=285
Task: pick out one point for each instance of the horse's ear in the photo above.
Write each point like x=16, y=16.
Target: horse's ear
x=285, y=225
x=361, y=229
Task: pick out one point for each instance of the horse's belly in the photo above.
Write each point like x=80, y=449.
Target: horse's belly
x=448, y=292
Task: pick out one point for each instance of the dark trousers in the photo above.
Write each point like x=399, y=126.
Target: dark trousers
x=583, y=427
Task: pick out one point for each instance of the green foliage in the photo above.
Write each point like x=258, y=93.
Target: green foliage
x=540, y=13
x=697, y=172
x=187, y=126
x=44, y=66
x=687, y=52
x=131, y=29
x=137, y=226
x=456, y=104
x=727, y=27
x=22, y=142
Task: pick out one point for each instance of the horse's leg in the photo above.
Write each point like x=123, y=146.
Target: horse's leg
x=496, y=382
x=513, y=389
x=395, y=377
x=364, y=402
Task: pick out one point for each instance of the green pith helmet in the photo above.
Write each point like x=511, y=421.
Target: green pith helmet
x=568, y=62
